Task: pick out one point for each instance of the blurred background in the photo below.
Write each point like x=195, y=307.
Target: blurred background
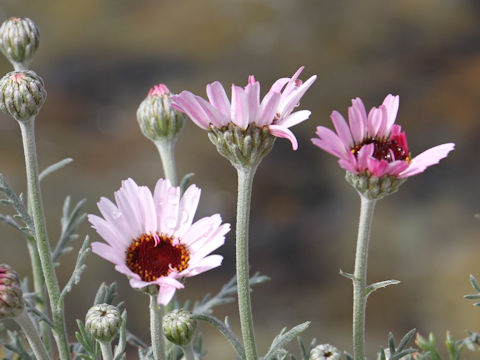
x=99, y=58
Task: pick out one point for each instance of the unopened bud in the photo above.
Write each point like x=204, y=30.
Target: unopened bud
x=103, y=321
x=22, y=94
x=19, y=40
x=179, y=327
x=325, y=352
x=11, y=296
x=157, y=120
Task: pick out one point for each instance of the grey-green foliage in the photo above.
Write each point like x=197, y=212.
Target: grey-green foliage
x=70, y=221
x=277, y=349
x=225, y=295
x=476, y=287
x=400, y=351
x=16, y=202
x=304, y=351
x=14, y=348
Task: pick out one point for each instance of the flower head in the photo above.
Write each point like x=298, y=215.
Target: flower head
x=325, y=352
x=373, y=144
x=19, y=40
x=274, y=112
x=152, y=238
x=179, y=327
x=11, y=295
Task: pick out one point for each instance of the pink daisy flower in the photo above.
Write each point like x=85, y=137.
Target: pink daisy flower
x=374, y=143
x=275, y=111
x=152, y=238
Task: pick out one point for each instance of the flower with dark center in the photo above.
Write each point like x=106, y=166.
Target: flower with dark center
x=152, y=238
x=373, y=144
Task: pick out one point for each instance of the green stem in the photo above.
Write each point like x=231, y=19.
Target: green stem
x=106, y=349
x=31, y=333
x=360, y=277
x=43, y=246
x=39, y=287
x=166, y=149
x=156, y=331
x=245, y=181
x=188, y=352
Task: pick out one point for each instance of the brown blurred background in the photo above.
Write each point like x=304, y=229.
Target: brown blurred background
x=100, y=57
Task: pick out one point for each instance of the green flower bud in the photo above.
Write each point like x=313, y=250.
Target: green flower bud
x=19, y=39
x=373, y=187
x=22, y=94
x=244, y=148
x=157, y=120
x=103, y=321
x=325, y=352
x=179, y=327
x=11, y=296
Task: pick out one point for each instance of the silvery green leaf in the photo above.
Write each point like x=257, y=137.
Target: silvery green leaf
x=378, y=285
x=54, y=167
x=119, y=352
x=282, y=339
x=347, y=275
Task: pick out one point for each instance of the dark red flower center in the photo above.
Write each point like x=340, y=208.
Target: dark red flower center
x=153, y=256
x=388, y=150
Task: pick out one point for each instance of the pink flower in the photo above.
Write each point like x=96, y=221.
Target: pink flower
x=151, y=238
x=374, y=143
x=275, y=111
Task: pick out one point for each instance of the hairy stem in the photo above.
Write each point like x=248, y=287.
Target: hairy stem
x=31, y=333
x=106, y=349
x=156, y=331
x=166, y=149
x=245, y=182
x=41, y=237
x=360, y=277
x=188, y=352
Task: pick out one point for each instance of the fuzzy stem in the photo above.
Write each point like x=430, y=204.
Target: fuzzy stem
x=360, y=277
x=245, y=182
x=156, y=331
x=188, y=352
x=39, y=287
x=31, y=333
x=106, y=349
x=43, y=245
x=166, y=149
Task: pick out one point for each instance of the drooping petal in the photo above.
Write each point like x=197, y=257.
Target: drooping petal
x=283, y=132
x=427, y=158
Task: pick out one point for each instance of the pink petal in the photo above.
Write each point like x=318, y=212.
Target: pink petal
x=396, y=167
x=376, y=122
x=363, y=155
x=293, y=119
x=239, y=107
x=108, y=253
x=330, y=142
x=109, y=232
x=167, y=202
x=186, y=210
x=283, y=132
x=357, y=122
x=342, y=128
x=186, y=102
x=348, y=165
x=268, y=108
x=427, y=158
x=377, y=167
x=294, y=97
x=218, y=98
x=127, y=202
x=252, y=93
x=391, y=103
x=203, y=265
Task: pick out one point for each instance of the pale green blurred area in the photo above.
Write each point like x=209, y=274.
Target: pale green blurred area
x=100, y=57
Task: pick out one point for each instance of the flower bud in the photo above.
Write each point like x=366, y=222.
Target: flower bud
x=179, y=327
x=325, y=352
x=103, y=321
x=22, y=94
x=157, y=120
x=11, y=296
x=19, y=39
x=373, y=187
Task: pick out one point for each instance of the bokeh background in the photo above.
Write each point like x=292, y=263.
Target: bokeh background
x=100, y=57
